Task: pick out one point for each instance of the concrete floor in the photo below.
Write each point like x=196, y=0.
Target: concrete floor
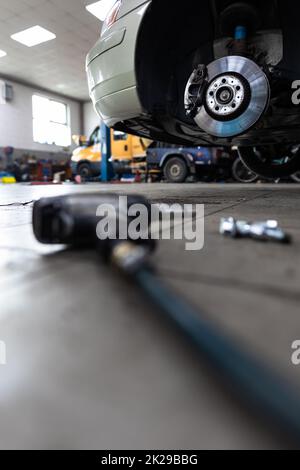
x=90, y=365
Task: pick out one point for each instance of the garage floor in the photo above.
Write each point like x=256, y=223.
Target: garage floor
x=90, y=365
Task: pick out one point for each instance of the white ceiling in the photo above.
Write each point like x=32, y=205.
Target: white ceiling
x=58, y=65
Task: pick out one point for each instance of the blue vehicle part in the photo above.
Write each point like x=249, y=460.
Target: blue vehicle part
x=240, y=33
x=191, y=155
x=105, y=173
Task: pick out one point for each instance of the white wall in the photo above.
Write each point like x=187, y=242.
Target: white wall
x=16, y=120
x=90, y=118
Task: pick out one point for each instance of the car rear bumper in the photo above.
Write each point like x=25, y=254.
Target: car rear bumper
x=111, y=69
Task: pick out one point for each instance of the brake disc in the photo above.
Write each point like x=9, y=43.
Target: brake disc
x=237, y=95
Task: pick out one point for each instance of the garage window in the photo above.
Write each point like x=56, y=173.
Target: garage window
x=50, y=122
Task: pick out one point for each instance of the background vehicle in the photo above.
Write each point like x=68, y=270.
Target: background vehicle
x=241, y=173
x=126, y=149
x=296, y=177
x=176, y=163
x=210, y=72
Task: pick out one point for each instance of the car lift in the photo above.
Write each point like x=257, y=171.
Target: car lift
x=106, y=173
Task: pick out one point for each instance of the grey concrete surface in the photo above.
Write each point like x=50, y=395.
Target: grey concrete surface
x=90, y=364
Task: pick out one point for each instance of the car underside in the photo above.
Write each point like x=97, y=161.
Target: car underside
x=222, y=73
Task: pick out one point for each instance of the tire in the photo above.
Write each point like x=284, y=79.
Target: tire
x=242, y=174
x=258, y=161
x=176, y=170
x=296, y=177
x=84, y=170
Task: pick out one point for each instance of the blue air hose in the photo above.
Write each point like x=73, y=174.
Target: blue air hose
x=256, y=384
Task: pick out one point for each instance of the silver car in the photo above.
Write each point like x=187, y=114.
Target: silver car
x=209, y=72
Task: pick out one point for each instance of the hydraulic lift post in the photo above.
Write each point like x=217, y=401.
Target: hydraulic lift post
x=105, y=153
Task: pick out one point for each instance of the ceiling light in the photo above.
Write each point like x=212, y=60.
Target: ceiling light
x=100, y=9
x=33, y=36
x=2, y=53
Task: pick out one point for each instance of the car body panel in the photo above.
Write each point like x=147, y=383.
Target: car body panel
x=111, y=40
x=130, y=5
x=111, y=67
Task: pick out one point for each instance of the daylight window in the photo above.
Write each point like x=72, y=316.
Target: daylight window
x=50, y=122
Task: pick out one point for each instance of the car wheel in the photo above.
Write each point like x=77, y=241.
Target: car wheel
x=241, y=173
x=176, y=170
x=84, y=171
x=271, y=162
x=296, y=177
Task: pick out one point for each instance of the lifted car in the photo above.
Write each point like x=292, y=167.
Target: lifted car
x=209, y=72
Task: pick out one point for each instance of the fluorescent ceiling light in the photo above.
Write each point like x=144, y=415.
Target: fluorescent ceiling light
x=100, y=9
x=2, y=53
x=33, y=36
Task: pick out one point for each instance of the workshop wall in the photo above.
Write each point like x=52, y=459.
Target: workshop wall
x=16, y=128
x=90, y=118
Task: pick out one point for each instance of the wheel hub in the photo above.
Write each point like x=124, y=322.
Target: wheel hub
x=226, y=96
x=175, y=170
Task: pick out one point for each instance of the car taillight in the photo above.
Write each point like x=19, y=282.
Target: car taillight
x=112, y=15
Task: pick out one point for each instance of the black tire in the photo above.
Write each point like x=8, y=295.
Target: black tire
x=176, y=170
x=242, y=174
x=296, y=177
x=260, y=161
x=84, y=171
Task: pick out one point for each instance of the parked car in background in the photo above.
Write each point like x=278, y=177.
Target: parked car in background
x=176, y=163
x=126, y=150
x=296, y=177
x=242, y=174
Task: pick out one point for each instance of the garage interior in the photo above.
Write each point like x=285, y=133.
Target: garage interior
x=90, y=362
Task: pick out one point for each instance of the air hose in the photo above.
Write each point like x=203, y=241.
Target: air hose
x=253, y=382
